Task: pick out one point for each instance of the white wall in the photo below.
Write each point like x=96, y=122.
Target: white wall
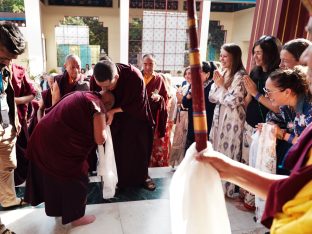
x=238, y=26
x=52, y=15
x=241, y=33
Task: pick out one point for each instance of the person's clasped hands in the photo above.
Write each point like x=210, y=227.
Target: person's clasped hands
x=218, y=78
x=155, y=96
x=250, y=86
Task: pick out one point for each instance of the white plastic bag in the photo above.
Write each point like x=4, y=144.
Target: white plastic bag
x=196, y=198
x=107, y=166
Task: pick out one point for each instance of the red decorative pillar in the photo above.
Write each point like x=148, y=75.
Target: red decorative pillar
x=284, y=19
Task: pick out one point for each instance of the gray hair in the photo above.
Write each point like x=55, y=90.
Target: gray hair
x=72, y=57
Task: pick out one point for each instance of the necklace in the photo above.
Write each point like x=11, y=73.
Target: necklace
x=71, y=81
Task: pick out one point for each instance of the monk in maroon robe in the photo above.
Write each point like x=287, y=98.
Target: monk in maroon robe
x=158, y=100
x=63, y=84
x=130, y=119
x=157, y=94
x=24, y=93
x=58, y=149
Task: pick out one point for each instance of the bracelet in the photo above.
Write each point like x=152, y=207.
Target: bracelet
x=258, y=95
x=290, y=138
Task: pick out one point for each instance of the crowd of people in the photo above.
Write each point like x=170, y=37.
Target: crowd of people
x=45, y=144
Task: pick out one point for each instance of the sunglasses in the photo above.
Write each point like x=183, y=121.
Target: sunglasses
x=269, y=92
x=267, y=38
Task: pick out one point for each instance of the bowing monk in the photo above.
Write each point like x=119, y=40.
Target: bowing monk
x=130, y=119
x=58, y=150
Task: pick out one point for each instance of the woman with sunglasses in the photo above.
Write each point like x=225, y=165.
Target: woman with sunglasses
x=289, y=90
x=290, y=56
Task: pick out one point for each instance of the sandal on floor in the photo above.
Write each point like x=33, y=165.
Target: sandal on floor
x=5, y=231
x=149, y=184
x=19, y=205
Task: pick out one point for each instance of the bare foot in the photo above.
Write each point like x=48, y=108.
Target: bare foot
x=87, y=219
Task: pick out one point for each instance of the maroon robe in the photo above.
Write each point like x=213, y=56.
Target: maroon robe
x=33, y=116
x=286, y=189
x=46, y=98
x=22, y=87
x=66, y=87
x=158, y=109
x=63, y=138
x=93, y=85
x=58, y=149
x=131, y=129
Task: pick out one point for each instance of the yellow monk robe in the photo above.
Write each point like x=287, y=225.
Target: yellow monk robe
x=297, y=213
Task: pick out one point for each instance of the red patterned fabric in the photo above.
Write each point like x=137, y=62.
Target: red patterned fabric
x=161, y=148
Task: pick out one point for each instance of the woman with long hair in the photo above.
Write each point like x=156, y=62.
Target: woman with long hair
x=266, y=56
x=228, y=92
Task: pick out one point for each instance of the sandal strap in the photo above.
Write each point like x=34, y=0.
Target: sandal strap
x=7, y=231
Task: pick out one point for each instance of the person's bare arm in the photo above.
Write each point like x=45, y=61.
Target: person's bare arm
x=247, y=100
x=40, y=112
x=252, y=90
x=249, y=178
x=110, y=114
x=24, y=99
x=55, y=93
x=267, y=103
x=99, y=124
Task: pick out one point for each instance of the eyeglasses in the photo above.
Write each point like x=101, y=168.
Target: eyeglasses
x=269, y=92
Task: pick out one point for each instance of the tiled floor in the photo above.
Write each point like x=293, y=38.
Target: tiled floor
x=131, y=217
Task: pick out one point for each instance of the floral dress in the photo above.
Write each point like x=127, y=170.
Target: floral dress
x=294, y=121
x=226, y=133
